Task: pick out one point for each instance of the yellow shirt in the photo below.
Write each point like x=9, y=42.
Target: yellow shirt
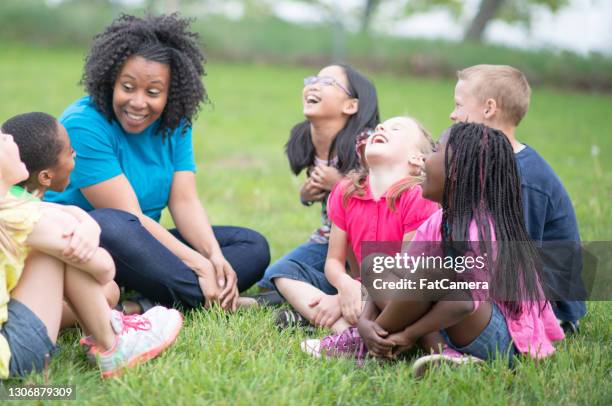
x=17, y=219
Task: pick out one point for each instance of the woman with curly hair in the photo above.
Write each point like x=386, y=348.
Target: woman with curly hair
x=132, y=136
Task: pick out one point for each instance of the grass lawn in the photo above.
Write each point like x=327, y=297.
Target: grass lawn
x=244, y=179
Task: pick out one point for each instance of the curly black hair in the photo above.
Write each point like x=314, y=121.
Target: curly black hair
x=164, y=39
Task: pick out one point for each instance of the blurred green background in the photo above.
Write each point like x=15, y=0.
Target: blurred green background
x=255, y=68
x=366, y=33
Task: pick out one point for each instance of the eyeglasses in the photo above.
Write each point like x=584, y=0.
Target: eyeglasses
x=325, y=81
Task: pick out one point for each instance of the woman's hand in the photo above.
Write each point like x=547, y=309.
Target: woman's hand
x=325, y=177
x=311, y=193
x=349, y=294
x=327, y=310
x=84, y=240
x=375, y=338
x=217, y=287
x=226, y=279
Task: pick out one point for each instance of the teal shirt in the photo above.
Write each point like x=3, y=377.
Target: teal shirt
x=104, y=150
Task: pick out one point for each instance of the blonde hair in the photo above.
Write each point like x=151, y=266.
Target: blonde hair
x=506, y=85
x=8, y=246
x=357, y=177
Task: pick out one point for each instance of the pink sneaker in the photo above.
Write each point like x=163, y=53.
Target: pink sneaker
x=448, y=356
x=89, y=346
x=139, y=338
x=345, y=344
x=88, y=343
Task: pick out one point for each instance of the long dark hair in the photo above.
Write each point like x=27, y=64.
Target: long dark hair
x=301, y=151
x=482, y=184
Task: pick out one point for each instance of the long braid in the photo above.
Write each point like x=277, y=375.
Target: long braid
x=483, y=185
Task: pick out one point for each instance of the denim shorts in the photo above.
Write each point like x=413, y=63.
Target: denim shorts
x=27, y=339
x=305, y=263
x=493, y=341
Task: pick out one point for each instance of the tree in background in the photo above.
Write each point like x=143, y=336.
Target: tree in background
x=488, y=10
x=508, y=10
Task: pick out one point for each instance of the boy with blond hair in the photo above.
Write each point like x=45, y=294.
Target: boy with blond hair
x=498, y=96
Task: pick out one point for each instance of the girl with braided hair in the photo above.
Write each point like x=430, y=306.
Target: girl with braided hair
x=133, y=138
x=473, y=175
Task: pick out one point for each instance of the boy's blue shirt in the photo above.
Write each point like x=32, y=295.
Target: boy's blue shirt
x=549, y=216
x=104, y=150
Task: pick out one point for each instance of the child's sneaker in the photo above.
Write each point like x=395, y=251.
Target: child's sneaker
x=139, y=338
x=448, y=356
x=570, y=327
x=345, y=344
x=287, y=318
x=89, y=346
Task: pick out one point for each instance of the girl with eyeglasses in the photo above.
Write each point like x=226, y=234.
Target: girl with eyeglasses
x=338, y=104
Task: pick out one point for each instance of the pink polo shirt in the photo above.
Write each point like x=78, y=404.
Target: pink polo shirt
x=366, y=219
x=533, y=332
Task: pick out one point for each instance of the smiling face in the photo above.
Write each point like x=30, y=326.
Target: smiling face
x=468, y=108
x=433, y=185
x=12, y=170
x=397, y=141
x=140, y=93
x=60, y=173
x=326, y=98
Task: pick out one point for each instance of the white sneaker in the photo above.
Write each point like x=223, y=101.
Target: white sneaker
x=448, y=356
x=139, y=338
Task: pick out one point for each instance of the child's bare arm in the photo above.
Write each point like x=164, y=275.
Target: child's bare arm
x=84, y=236
x=335, y=264
x=48, y=236
x=349, y=289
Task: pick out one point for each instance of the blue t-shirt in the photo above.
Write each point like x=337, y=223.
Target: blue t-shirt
x=104, y=150
x=550, y=216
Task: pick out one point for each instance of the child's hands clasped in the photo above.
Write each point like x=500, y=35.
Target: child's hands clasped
x=327, y=309
x=350, y=300
x=375, y=338
x=84, y=241
x=402, y=341
x=325, y=177
x=311, y=193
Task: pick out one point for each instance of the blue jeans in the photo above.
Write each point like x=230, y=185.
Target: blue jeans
x=493, y=341
x=305, y=263
x=569, y=310
x=146, y=266
x=28, y=340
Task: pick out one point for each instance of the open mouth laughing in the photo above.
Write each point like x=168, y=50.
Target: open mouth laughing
x=312, y=98
x=378, y=138
x=134, y=119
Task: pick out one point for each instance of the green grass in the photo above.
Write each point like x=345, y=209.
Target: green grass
x=243, y=179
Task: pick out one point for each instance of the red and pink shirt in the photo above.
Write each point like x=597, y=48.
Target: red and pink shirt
x=534, y=331
x=367, y=219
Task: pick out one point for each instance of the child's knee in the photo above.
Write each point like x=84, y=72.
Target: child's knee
x=112, y=293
